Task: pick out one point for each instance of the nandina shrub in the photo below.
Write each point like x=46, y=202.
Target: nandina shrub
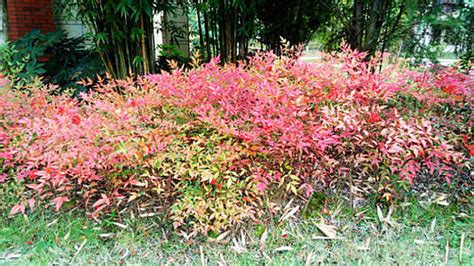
x=329, y=121
x=207, y=146
x=119, y=146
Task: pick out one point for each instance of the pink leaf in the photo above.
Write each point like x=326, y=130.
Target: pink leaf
x=59, y=201
x=31, y=203
x=261, y=186
x=34, y=186
x=18, y=208
x=395, y=149
x=3, y=178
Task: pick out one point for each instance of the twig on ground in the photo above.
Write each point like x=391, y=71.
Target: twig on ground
x=446, y=255
x=79, y=250
x=461, y=246
x=203, y=260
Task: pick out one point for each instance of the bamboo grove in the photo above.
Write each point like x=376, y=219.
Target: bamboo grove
x=122, y=30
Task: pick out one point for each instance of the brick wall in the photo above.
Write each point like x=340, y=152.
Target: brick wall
x=26, y=15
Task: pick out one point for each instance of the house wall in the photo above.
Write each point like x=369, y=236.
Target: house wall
x=176, y=29
x=3, y=28
x=26, y=15
x=22, y=16
x=69, y=23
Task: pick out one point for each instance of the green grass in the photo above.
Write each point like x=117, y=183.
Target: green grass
x=419, y=234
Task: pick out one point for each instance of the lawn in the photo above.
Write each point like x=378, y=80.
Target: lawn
x=428, y=232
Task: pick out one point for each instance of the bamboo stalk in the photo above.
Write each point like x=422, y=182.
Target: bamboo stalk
x=201, y=36
x=206, y=29
x=144, y=54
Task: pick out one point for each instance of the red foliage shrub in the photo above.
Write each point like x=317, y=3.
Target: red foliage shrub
x=211, y=140
x=329, y=120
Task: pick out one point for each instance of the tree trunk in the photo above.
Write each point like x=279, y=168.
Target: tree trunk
x=206, y=29
x=355, y=34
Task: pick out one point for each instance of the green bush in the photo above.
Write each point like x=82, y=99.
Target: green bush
x=170, y=53
x=51, y=57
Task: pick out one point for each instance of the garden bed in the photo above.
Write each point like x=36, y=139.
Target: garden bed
x=217, y=146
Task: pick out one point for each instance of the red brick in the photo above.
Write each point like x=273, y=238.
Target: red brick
x=27, y=15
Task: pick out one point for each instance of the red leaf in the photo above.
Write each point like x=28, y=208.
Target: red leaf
x=60, y=110
x=471, y=149
x=76, y=120
x=374, y=117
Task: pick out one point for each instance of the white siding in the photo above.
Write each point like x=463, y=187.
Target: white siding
x=178, y=19
x=72, y=27
x=3, y=30
x=157, y=32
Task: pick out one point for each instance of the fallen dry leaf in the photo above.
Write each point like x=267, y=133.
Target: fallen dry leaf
x=284, y=248
x=328, y=230
x=263, y=239
x=222, y=236
x=108, y=235
x=10, y=256
x=289, y=213
x=120, y=225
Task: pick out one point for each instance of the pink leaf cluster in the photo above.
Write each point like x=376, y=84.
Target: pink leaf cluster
x=332, y=119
